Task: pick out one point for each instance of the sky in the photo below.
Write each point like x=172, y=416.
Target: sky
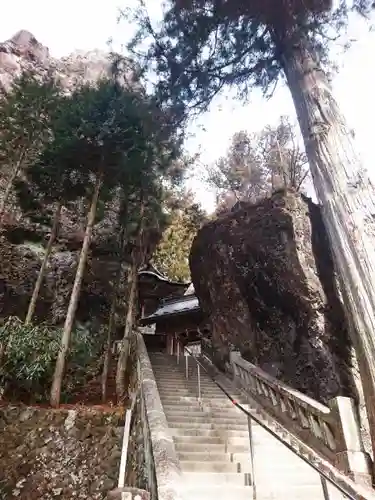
x=85, y=25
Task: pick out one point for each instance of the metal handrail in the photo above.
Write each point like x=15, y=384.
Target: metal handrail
x=348, y=489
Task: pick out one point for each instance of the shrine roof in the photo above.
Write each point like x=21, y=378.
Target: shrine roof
x=180, y=305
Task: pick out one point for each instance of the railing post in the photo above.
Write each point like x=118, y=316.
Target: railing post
x=324, y=488
x=187, y=365
x=199, y=381
x=233, y=356
x=252, y=457
x=351, y=457
x=178, y=352
x=125, y=444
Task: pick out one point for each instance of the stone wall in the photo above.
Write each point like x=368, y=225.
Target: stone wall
x=46, y=454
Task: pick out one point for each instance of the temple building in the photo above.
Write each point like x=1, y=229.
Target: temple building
x=168, y=310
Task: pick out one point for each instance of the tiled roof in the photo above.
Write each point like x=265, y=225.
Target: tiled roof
x=172, y=307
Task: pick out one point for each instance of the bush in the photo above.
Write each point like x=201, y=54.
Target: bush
x=29, y=360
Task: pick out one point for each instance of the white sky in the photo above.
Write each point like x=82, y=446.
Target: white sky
x=83, y=24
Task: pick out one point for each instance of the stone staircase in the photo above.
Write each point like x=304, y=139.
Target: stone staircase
x=212, y=443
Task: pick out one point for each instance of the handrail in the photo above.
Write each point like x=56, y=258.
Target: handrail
x=344, y=484
x=333, y=431
x=161, y=446
x=125, y=443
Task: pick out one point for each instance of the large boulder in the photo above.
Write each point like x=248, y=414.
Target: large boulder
x=265, y=279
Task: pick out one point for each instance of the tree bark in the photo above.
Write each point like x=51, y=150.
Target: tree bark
x=129, y=320
x=43, y=267
x=2, y=352
x=9, y=186
x=74, y=298
x=111, y=321
x=348, y=203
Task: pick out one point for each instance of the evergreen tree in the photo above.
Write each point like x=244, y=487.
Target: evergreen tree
x=143, y=234
x=123, y=222
x=50, y=181
x=101, y=135
x=25, y=125
x=203, y=46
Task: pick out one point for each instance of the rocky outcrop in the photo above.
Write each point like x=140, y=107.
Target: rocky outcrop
x=21, y=252
x=264, y=277
x=24, y=52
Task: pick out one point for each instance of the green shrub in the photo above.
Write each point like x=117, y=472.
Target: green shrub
x=30, y=353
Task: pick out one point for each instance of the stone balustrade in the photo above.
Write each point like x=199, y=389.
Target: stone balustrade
x=333, y=431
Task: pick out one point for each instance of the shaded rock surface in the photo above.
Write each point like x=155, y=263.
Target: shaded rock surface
x=21, y=257
x=264, y=277
x=59, y=453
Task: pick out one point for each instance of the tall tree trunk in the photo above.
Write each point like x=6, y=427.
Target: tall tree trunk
x=111, y=322
x=43, y=267
x=3, y=347
x=8, y=189
x=74, y=298
x=129, y=321
x=348, y=203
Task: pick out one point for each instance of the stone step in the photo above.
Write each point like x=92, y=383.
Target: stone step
x=298, y=471
x=175, y=395
x=214, y=491
x=209, y=455
x=176, y=379
x=204, y=409
x=205, y=416
x=204, y=440
x=201, y=424
x=171, y=377
x=193, y=389
x=191, y=385
x=214, y=466
x=220, y=422
x=184, y=401
x=218, y=478
x=231, y=435
x=215, y=402
x=204, y=486
x=171, y=373
x=204, y=396
x=271, y=491
x=185, y=445
x=212, y=442
x=178, y=371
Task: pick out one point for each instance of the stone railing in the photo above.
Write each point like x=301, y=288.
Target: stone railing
x=333, y=431
x=155, y=466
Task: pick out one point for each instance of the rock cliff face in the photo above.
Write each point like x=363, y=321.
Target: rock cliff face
x=24, y=52
x=264, y=277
